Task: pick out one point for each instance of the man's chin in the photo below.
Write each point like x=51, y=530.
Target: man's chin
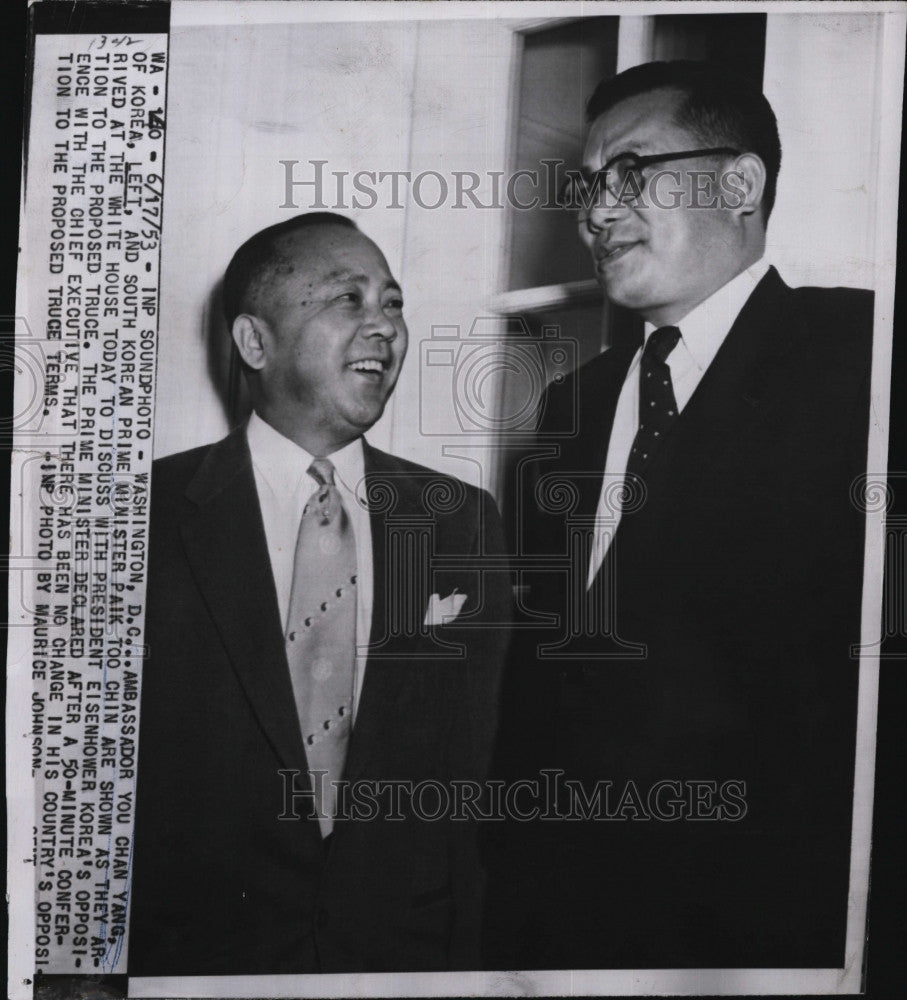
x=617, y=292
x=363, y=419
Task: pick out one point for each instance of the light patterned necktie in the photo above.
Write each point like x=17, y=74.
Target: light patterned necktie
x=657, y=405
x=321, y=636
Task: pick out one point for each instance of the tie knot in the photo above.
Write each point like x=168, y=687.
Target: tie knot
x=661, y=342
x=322, y=471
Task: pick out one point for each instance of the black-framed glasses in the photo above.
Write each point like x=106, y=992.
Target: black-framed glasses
x=622, y=177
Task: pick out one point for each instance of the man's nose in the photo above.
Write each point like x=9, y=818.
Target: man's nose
x=603, y=214
x=378, y=324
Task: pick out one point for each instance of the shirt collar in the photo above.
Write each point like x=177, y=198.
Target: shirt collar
x=349, y=466
x=283, y=463
x=704, y=329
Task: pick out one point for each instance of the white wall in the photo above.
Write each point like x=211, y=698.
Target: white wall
x=821, y=77
x=452, y=255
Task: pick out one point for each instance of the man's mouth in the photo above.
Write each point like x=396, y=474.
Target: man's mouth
x=372, y=368
x=609, y=252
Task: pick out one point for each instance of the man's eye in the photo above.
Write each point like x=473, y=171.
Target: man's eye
x=349, y=298
x=395, y=304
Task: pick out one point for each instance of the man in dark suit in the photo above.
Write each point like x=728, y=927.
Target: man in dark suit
x=304, y=719
x=700, y=680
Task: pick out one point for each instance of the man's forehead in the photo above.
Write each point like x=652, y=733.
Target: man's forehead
x=321, y=240
x=331, y=253
x=636, y=124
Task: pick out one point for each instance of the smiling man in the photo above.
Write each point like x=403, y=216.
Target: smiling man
x=322, y=643
x=699, y=695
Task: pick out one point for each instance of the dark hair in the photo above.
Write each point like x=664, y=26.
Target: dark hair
x=719, y=107
x=258, y=260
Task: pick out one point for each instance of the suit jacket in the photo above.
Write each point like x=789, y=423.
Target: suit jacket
x=222, y=884
x=731, y=596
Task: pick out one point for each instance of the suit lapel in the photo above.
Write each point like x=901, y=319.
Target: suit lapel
x=390, y=494
x=226, y=547
x=583, y=455
x=735, y=390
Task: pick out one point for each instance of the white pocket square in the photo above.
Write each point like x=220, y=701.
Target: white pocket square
x=442, y=611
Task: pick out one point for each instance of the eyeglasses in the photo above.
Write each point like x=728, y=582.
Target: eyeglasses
x=622, y=177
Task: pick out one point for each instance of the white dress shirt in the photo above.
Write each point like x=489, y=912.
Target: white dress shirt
x=284, y=488
x=702, y=332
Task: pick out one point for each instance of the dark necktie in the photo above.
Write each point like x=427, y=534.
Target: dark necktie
x=657, y=405
x=321, y=636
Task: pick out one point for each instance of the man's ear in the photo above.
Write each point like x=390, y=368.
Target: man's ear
x=749, y=175
x=248, y=335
